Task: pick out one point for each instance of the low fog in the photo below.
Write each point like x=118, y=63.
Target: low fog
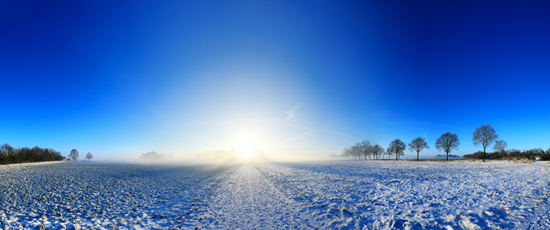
x=220, y=157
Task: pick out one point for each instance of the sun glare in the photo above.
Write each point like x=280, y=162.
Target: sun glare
x=245, y=146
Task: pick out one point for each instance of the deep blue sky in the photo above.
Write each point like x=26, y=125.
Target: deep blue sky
x=188, y=76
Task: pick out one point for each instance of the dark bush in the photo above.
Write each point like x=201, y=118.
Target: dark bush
x=545, y=157
x=512, y=154
x=10, y=155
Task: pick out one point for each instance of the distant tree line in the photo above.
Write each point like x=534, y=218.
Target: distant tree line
x=484, y=135
x=11, y=155
x=513, y=153
x=153, y=156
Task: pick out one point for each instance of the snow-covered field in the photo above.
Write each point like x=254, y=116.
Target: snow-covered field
x=412, y=195
x=101, y=195
x=340, y=194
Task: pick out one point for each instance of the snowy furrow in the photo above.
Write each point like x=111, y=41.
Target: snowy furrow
x=416, y=195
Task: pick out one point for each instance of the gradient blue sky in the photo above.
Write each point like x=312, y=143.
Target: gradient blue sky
x=301, y=77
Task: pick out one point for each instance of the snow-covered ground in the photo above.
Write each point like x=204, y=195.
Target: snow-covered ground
x=77, y=195
x=339, y=194
x=457, y=195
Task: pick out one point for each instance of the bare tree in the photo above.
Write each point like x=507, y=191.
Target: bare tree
x=89, y=156
x=6, y=152
x=447, y=142
x=367, y=148
x=74, y=154
x=397, y=147
x=389, y=152
x=346, y=153
x=484, y=135
x=356, y=150
x=371, y=155
x=377, y=151
x=7, y=148
x=369, y=152
x=418, y=144
x=500, y=146
x=353, y=152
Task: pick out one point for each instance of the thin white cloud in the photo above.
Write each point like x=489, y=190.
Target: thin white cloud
x=292, y=113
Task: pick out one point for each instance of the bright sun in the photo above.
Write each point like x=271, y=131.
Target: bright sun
x=245, y=146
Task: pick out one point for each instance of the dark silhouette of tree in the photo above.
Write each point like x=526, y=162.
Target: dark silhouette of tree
x=484, y=135
x=6, y=152
x=89, y=156
x=377, y=151
x=74, y=154
x=366, y=147
x=356, y=150
x=397, y=147
x=345, y=153
x=418, y=144
x=447, y=142
x=500, y=146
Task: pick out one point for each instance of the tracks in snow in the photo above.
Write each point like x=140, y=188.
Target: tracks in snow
x=246, y=199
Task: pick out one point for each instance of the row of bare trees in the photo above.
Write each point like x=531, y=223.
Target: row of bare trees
x=368, y=151
x=484, y=135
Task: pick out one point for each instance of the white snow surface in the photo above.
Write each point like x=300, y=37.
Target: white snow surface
x=316, y=195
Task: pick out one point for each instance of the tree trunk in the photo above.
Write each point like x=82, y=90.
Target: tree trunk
x=417, y=155
x=483, y=154
x=447, y=156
